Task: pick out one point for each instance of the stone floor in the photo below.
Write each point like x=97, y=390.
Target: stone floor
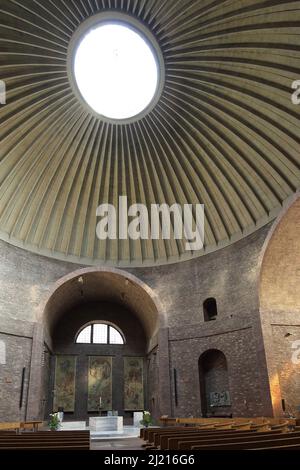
x=117, y=444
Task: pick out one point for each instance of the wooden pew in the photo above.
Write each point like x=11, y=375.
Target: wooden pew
x=151, y=433
x=30, y=425
x=283, y=427
x=21, y=426
x=10, y=427
x=279, y=447
x=171, y=442
x=227, y=425
x=167, y=421
x=154, y=435
x=204, y=423
x=144, y=432
x=208, y=430
x=243, y=426
x=46, y=434
x=187, y=444
x=237, y=420
x=47, y=446
x=261, y=427
x=254, y=442
x=50, y=438
x=161, y=440
x=198, y=421
x=69, y=440
x=147, y=434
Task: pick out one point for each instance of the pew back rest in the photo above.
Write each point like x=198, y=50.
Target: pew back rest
x=10, y=426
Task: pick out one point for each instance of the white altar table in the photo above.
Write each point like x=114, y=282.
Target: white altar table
x=106, y=423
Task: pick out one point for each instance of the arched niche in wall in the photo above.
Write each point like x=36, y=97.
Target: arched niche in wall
x=214, y=384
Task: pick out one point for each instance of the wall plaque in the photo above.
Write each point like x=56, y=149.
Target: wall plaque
x=218, y=399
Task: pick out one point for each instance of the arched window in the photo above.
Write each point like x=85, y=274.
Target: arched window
x=210, y=310
x=99, y=333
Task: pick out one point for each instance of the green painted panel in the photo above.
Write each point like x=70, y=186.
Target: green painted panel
x=100, y=383
x=133, y=383
x=64, y=395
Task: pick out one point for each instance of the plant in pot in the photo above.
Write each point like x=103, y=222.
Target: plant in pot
x=147, y=419
x=54, y=422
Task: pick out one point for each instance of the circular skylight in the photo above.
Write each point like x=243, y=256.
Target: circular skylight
x=116, y=71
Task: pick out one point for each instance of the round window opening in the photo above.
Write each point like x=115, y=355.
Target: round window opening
x=116, y=71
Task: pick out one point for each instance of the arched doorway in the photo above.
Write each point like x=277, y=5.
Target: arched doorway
x=74, y=371
x=214, y=384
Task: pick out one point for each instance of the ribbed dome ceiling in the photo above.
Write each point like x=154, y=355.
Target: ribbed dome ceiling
x=224, y=132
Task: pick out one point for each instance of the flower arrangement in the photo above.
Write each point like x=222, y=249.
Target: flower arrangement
x=147, y=419
x=54, y=422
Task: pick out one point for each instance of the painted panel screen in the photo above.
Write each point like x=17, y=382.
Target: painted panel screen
x=100, y=383
x=133, y=383
x=64, y=395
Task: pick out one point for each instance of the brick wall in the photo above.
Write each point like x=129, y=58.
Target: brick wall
x=244, y=370
x=18, y=355
x=229, y=275
x=288, y=369
x=214, y=378
x=280, y=307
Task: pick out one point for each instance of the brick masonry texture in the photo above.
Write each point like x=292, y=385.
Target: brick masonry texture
x=213, y=374
x=231, y=275
x=280, y=308
x=243, y=370
x=289, y=377
x=18, y=353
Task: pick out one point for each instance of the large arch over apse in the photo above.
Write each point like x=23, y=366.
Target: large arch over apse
x=93, y=285
x=105, y=284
